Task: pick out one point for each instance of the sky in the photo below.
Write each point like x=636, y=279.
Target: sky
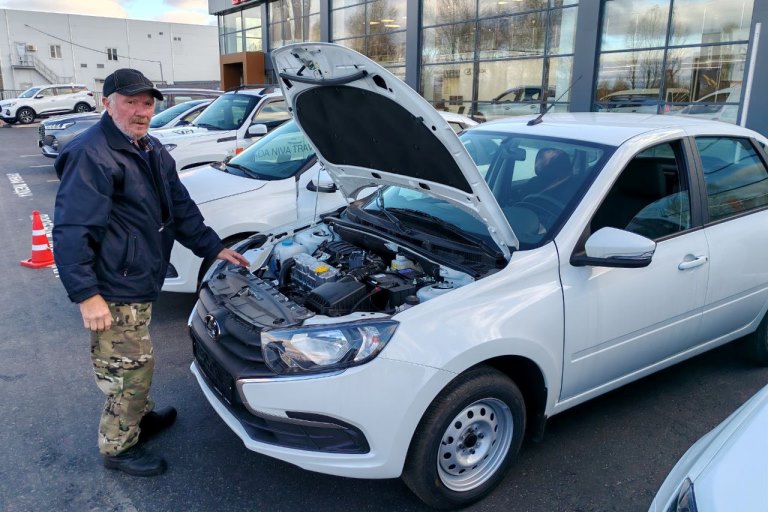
x=174, y=11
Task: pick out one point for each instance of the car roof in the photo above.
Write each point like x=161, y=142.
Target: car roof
x=171, y=90
x=611, y=128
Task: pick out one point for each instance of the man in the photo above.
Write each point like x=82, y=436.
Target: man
x=119, y=207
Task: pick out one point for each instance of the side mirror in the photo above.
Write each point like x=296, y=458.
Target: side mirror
x=611, y=247
x=39, y=97
x=323, y=184
x=257, y=130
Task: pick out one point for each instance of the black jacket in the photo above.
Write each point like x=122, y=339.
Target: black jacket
x=117, y=215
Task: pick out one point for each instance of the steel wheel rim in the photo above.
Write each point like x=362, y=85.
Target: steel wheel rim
x=475, y=444
x=26, y=117
x=81, y=108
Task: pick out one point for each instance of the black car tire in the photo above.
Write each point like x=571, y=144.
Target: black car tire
x=25, y=115
x=756, y=344
x=10, y=121
x=466, y=440
x=81, y=108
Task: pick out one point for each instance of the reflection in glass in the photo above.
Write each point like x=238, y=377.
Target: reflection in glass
x=513, y=36
x=253, y=40
x=232, y=22
x=232, y=43
x=562, y=31
x=634, y=24
x=437, y=12
x=560, y=78
x=387, y=49
x=357, y=44
x=252, y=18
x=496, y=77
x=448, y=42
x=348, y=22
x=495, y=8
x=625, y=71
x=449, y=85
x=386, y=16
x=710, y=21
x=704, y=71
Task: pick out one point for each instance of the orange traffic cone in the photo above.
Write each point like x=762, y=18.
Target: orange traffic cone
x=41, y=251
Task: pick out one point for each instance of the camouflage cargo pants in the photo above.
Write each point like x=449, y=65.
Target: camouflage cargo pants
x=123, y=362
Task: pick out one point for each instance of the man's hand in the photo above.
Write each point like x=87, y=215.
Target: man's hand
x=233, y=257
x=96, y=315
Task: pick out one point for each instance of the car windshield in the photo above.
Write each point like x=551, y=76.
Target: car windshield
x=29, y=93
x=167, y=115
x=537, y=181
x=227, y=112
x=278, y=155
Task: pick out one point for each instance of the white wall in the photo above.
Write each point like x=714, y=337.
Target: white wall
x=195, y=57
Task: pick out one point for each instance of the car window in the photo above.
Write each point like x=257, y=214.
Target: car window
x=228, y=112
x=46, y=93
x=187, y=119
x=735, y=176
x=63, y=90
x=536, y=181
x=168, y=114
x=272, y=114
x=651, y=195
x=278, y=155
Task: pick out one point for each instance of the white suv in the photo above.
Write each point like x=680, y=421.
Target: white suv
x=229, y=125
x=47, y=100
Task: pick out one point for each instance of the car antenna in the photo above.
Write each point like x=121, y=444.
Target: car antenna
x=537, y=119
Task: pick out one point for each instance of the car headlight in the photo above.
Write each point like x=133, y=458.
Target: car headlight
x=169, y=147
x=686, y=501
x=10, y=104
x=325, y=348
x=59, y=126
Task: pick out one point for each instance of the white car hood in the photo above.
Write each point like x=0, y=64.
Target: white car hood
x=370, y=129
x=205, y=184
x=188, y=133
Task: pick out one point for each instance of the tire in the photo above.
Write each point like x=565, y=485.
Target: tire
x=25, y=115
x=756, y=344
x=10, y=121
x=466, y=440
x=82, y=107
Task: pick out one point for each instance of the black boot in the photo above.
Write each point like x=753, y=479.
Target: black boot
x=136, y=461
x=156, y=421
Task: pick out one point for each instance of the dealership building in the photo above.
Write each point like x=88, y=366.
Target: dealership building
x=488, y=57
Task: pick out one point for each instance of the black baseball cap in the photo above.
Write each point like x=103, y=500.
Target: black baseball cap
x=129, y=82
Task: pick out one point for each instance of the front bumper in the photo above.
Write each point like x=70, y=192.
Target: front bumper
x=357, y=423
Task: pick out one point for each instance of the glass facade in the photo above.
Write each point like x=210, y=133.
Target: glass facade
x=683, y=57
x=375, y=28
x=240, y=31
x=491, y=59
x=293, y=21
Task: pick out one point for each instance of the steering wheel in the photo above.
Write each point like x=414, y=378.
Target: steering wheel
x=542, y=204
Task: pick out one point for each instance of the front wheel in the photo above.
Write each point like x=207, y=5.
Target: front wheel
x=466, y=440
x=25, y=115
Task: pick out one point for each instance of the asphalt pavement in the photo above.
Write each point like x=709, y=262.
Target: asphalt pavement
x=610, y=454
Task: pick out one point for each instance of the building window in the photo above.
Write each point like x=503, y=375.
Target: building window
x=679, y=56
x=493, y=59
x=293, y=22
x=55, y=51
x=111, y=53
x=99, y=66
x=373, y=28
x=83, y=65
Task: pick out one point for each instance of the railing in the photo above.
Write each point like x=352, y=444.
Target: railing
x=30, y=61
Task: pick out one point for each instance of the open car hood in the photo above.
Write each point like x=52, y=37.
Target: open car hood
x=370, y=129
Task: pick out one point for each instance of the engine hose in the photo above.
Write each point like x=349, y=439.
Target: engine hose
x=284, y=269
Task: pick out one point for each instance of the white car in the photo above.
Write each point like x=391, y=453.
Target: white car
x=47, y=100
x=722, y=105
x=495, y=278
x=275, y=181
x=724, y=470
x=229, y=125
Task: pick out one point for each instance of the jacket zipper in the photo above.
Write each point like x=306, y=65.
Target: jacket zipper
x=132, y=241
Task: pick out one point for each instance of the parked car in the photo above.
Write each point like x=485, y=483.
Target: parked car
x=516, y=101
x=230, y=124
x=722, y=105
x=275, y=181
x=493, y=280
x=724, y=470
x=47, y=100
x=644, y=100
x=57, y=132
x=175, y=95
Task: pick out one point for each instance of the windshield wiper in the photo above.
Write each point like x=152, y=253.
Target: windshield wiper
x=394, y=220
x=209, y=126
x=490, y=249
x=248, y=172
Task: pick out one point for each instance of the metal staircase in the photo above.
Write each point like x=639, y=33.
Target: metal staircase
x=31, y=62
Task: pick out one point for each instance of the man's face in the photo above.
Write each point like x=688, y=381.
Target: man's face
x=131, y=113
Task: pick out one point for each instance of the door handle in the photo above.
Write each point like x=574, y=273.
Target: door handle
x=698, y=261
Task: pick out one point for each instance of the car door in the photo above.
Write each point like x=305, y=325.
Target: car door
x=64, y=99
x=736, y=183
x=619, y=321
x=46, y=101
